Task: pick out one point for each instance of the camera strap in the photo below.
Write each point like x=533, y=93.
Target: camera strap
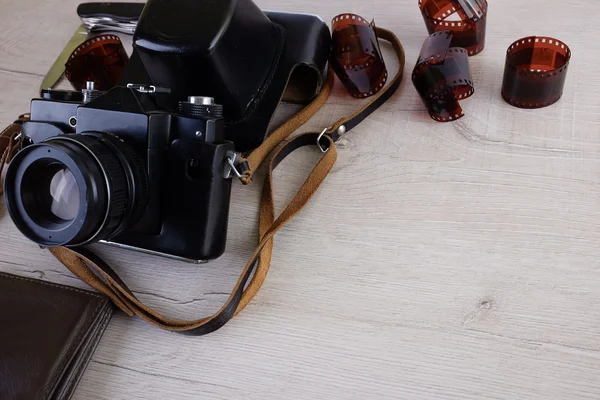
x=91, y=269
x=10, y=143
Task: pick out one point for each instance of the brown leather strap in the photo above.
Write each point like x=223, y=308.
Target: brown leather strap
x=85, y=265
x=99, y=275
x=351, y=122
x=249, y=164
x=9, y=144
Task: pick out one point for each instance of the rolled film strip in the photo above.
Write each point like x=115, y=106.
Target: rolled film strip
x=442, y=77
x=466, y=19
x=535, y=72
x=356, y=55
x=100, y=59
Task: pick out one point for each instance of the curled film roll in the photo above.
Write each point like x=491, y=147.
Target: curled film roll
x=100, y=59
x=466, y=19
x=442, y=77
x=356, y=55
x=535, y=72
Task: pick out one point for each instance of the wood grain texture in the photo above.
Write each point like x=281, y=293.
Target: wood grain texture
x=438, y=261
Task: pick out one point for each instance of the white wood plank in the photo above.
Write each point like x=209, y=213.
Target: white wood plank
x=438, y=261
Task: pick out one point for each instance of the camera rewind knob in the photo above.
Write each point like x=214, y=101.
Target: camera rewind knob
x=201, y=107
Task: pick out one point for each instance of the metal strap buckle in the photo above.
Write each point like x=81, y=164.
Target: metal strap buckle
x=105, y=24
x=230, y=168
x=147, y=88
x=323, y=150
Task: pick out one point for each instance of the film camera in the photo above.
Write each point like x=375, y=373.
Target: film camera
x=121, y=170
x=145, y=168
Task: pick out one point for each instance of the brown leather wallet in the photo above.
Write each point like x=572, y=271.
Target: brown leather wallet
x=49, y=333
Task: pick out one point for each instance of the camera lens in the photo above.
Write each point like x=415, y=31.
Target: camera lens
x=76, y=189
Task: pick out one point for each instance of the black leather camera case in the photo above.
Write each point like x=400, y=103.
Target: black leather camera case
x=232, y=51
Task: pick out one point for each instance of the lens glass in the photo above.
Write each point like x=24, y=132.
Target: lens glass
x=50, y=193
x=64, y=195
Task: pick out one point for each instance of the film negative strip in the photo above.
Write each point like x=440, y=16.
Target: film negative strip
x=356, y=55
x=442, y=77
x=535, y=72
x=466, y=19
x=100, y=59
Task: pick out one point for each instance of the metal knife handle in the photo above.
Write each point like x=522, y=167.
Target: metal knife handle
x=120, y=12
x=104, y=17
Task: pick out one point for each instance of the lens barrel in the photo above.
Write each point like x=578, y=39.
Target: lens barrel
x=76, y=189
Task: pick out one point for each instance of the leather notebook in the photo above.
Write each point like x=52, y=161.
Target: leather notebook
x=48, y=333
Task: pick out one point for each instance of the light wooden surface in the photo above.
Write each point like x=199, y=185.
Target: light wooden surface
x=438, y=261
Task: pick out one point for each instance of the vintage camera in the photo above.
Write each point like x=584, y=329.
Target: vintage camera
x=116, y=168
x=147, y=166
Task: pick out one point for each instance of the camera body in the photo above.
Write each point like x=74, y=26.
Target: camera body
x=173, y=162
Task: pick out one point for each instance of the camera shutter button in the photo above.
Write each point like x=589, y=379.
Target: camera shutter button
x=90, y=93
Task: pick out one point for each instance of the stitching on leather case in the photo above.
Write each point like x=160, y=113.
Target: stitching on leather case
x=61, y=287
x=261, y=92
x=73, y=349
x=70, y=388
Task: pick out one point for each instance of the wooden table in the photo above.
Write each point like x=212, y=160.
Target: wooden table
x=438, y=261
